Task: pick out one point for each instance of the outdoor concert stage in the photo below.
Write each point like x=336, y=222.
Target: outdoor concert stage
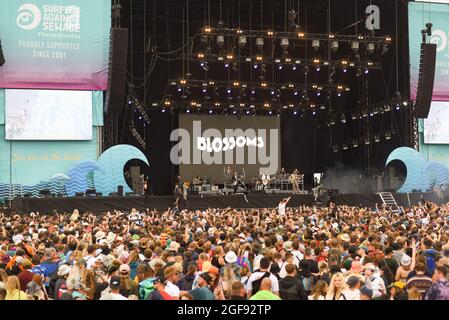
x=102, y=204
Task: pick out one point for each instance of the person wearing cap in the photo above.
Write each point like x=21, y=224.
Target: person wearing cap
x=366, y=293
x=374, y=281
x=128, y=287
x=202, y=291
x=159, y=292
x=114, y=293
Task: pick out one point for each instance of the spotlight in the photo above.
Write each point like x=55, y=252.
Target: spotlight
x=270, y=112
x=366, y=70
x=405, y=103
x=370, y=48
x=318, y=93
x=339, y=94
x=248, y=112
x=294, y=67
x=318, y=68
x=345, y=147
x=259, y=42
x=229, y=91
x=387, y=108
x=179, y=89
x=188, y=110
x=255, y=66
x=316, y=45
x=280, y=66
x=205, y=66
x=220, y=41
x=295, y=93
x=284, y=43
x=295, y=112
x=343, y=118
x=211, y=111
x=163, y=110
x=253, y=91
x=335, y=148
x=387, y=136
x=398, y=107
x=204, y=90
x=242, y=41
x=226, y=65
x=376, y=138
x=334, y=46
x=367, y=142
x=313, y=112
x=355, y=47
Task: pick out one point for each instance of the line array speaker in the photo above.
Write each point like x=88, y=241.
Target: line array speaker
x=118, y=63
x=425, y=80
x=2, y=57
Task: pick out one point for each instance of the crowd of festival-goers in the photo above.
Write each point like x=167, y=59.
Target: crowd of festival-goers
x=303, y=253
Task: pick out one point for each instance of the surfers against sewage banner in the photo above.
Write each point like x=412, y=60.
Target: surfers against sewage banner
x=55, y=44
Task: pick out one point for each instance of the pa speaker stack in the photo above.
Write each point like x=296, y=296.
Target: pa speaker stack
x=2, y=57
x=118, y=61
x=425, y=80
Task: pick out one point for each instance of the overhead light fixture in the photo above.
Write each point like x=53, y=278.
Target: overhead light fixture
x=284, y=43
x=259, y=42
x=316, y=45
x=334, y=46
x=370, y=48
x=242, y=41
x=355, y=46
x=220, y=41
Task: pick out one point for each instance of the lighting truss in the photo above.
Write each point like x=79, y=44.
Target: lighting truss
x=138, y=137
x=279, y=35
x=261, y=85
x=211, y=58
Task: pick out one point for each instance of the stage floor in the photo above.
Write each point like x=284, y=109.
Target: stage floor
x=103, y=204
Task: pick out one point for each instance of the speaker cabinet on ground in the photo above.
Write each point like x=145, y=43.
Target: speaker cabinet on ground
x=120, y=191
x=426, y=80
x=118, y=61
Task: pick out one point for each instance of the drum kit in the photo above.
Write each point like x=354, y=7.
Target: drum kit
x=282, y=181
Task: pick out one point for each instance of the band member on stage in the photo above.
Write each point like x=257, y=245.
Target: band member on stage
x=180, y=193
x=265, y=181
x=237, y=182
x=294, y=179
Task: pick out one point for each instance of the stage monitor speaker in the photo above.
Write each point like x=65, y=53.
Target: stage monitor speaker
x=120, y=191
x=118, y=62
x=425, y=80
x=79, y=194
x=2, y=57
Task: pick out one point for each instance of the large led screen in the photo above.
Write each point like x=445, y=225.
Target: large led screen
x=436, y=126
x=48, y=115
x=210, y=146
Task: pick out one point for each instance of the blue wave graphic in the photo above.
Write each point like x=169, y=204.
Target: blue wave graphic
x=103, y=175
x=422, y=175
x=78, y=177
x=112, y=163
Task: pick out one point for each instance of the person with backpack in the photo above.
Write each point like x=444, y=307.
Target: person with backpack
x=431, y=256
x=440, y=289
x=257, y=277
x=290, y=287
x=307, y=278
